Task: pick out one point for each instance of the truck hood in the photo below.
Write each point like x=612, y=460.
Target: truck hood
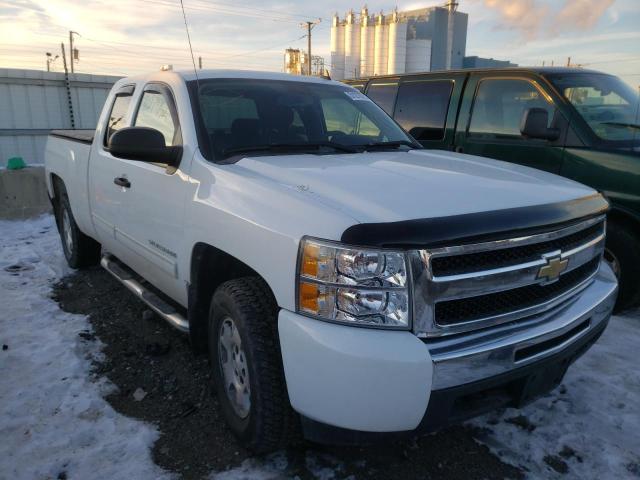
x=396, y=186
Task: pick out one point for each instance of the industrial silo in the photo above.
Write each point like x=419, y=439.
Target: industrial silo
x=367, y=44
x=381, y=46
x=351, y=47
x=397, y=44
x=337, y=49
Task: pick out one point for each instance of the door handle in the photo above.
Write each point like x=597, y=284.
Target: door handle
x=122, y=182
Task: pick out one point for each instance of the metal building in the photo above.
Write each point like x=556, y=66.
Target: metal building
x=33, y=102
x=400, y=42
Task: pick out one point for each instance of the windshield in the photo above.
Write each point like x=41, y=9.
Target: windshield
x=606, y=103
x=273, y=117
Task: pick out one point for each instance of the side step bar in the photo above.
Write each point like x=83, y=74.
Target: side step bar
x=133, y=282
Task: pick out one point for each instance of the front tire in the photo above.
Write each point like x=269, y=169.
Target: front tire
x=79, y=249
x=622, y=252
x=244, y=352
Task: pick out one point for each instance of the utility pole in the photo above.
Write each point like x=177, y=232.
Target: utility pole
x=309, y=26
x=200, y=62
x=68, y=87
x=72, y=52
x=568, y=61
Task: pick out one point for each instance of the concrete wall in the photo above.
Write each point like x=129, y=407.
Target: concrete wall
x=23, y=193
x=33, y=102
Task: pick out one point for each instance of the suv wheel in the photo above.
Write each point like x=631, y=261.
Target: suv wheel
x=244, y=352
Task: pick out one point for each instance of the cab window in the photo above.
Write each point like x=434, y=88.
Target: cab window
x=500, y=104
x=422, y=108
x=154, y=112
x=117, y=115
x=384, y=94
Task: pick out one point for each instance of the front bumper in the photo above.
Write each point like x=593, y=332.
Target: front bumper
x=347, y=382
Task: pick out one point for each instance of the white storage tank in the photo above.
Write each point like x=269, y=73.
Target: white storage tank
x=418, y=56
x=351, y=47
x=397, y=45
x=337, y=49
x=367, y=44
x=381, y=46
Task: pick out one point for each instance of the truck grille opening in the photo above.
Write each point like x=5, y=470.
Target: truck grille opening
x=474, y=308
x=533, y=350
x=474, y=262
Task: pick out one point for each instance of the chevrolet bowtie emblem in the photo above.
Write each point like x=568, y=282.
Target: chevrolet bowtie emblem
x=554, y=267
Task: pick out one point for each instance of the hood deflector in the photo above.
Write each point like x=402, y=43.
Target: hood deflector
x=473, y=227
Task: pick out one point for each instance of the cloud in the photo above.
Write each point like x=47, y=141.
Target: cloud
x=536, y=19
x=581, y=14
x=526, y=16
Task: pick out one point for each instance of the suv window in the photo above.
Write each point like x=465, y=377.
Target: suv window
x=117, y=116
x=384, y=94
x=500, y=104
x=154, y=112
x=422, y=108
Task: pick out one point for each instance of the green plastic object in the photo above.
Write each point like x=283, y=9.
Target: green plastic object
x=16, y=163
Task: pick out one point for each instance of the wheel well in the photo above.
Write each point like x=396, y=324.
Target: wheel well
x=210, y=268
x=56, y=182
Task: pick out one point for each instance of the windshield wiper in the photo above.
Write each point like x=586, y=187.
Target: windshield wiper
x=289, y=146
x=394, y=144
x=621, y=124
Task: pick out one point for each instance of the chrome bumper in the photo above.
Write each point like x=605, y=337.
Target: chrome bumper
x=463, y=359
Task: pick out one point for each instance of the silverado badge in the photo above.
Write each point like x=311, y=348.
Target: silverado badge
x=554, y=267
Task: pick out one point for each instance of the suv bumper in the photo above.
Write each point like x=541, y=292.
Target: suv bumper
x=352, y=384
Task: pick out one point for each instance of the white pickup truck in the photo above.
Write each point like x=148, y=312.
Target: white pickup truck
x=344, y=281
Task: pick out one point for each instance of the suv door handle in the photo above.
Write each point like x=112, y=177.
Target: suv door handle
x=122, y=182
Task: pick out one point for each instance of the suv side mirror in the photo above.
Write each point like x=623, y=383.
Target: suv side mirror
x=143, y=144
x=534, y=125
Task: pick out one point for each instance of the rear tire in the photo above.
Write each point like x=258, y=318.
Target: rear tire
x=80, y=250
x=622, y=252
x=244, y=353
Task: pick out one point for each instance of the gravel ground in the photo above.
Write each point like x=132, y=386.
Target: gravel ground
x=160, y=381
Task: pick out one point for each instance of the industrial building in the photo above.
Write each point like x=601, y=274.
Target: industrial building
x=480, y=62
x=400, y=42
x=295, y=63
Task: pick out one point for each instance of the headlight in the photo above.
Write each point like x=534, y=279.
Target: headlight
x=355, y=286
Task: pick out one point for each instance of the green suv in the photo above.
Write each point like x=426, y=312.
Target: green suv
x=580, y=124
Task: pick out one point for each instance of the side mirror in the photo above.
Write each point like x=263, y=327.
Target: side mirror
x=534, y=125
x=143, y=144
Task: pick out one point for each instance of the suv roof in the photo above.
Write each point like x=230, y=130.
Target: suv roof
x=538, y=70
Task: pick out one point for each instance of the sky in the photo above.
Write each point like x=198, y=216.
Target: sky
x=124, y=37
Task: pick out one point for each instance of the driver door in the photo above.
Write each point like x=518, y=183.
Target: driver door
x=150, y=227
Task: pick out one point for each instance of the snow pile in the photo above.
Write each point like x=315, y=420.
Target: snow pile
x=54, y=422
x=590, y=426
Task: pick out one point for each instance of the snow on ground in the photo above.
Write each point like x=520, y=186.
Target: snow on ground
x=54, y=422
x=597, y=416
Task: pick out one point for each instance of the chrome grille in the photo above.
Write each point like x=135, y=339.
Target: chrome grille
x=466, y=287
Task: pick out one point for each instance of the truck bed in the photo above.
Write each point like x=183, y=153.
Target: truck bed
x=84, y=136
